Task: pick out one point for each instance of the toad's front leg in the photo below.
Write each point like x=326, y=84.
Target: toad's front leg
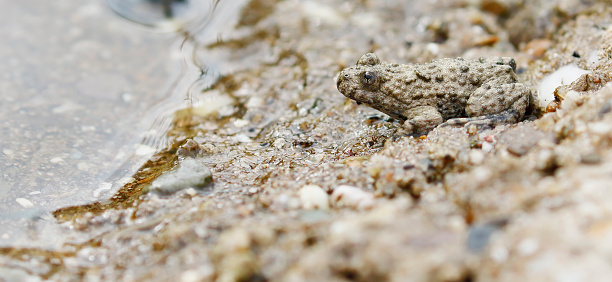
x=422, y=119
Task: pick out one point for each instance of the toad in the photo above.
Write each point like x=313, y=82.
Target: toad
x=482, y=92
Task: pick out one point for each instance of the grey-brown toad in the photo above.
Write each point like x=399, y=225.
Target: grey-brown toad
x=444, y=91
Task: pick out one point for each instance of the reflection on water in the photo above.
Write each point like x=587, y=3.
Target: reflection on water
x=81, y=91
x=164, y=15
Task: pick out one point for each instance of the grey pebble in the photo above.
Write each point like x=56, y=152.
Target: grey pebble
x=189, y=173
x=521, y=139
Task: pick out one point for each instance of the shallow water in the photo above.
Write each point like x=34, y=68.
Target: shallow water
x=85, y=99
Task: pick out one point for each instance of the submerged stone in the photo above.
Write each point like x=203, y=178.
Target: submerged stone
x=189, y=173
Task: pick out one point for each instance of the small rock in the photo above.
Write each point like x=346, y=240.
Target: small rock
x=314, y=197
x=537, y=47
x=189, y=149
x=191, y=192
x=479, y=234
x=553, y=106
x=243, y=138
x=486, y=40
x=24, y=202
x=241, y=123
x=353, y=197
x=56, y=160
x=279, y=143
x=495, y=7
x=521, y=139
x=189, y=173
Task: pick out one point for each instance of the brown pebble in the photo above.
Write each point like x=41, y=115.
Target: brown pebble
x=537, y=47
x=487, y=40
x=495, y=7
x=552, y=106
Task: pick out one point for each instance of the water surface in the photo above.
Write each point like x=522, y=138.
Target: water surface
x=79, y=91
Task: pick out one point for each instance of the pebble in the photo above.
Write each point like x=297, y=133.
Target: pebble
x=314, y=197
x=521, y=139
x=479, y=234
x=241, y=123
x=537, y=47
x=243, y=138
x=352, y=197
x=189, y=173
x=279, y=143
x=56, y=160
x=190, y=149
x=24, y=202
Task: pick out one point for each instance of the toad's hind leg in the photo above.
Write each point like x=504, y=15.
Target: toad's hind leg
x=491, y=105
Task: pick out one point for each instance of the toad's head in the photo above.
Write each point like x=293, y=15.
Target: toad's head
x=361, y=81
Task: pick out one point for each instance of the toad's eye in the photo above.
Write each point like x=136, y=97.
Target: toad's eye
x=368, y=77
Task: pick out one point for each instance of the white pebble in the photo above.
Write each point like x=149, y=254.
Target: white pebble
x=242, y=138
x=314, y=197
x=279, y=143
x=241, y=123
x=433, y=48
x=56, y=160
x=353, y=197
x=191, y=192
x=24, y=202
